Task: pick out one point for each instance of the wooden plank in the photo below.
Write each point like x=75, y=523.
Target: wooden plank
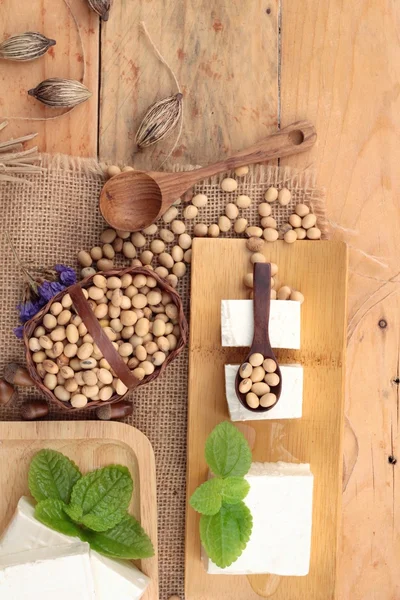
x=91, y=445
x=341, y=69
x=74, y=133
x=319, y=270
x=225, y=58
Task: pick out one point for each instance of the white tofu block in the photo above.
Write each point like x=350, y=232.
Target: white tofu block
x=117, y=579
x=237, y=325
x=113, y=578
x=290, y=403
x=57, y=573
x=280, y=500
x=24, y=532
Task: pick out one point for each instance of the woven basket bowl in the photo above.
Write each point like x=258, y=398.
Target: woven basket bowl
x=31, y=325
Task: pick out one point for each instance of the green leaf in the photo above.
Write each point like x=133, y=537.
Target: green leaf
x=104, y=496
x=234, y=489
x=207, y=499
x=52, y=475
x=51, y=513
x=125, y=540
x=74, y=511
x=227, y=451
x=225, y=535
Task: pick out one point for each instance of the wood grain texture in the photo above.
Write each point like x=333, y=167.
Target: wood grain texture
x=74, y=133
x=319, y=270
x=341, y=70
x=91, y=445
x=225, y=57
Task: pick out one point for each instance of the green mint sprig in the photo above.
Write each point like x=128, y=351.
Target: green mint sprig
x=92, y=507
x=52, y=475
x=226, y=522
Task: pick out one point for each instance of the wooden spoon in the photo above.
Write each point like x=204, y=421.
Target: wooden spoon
x=261, y=343
x=134, y=200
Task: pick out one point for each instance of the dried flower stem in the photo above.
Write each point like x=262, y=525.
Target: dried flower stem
x=27, y=276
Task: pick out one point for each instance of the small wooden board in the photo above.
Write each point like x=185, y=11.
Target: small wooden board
x=319, y=271
x=91, y=445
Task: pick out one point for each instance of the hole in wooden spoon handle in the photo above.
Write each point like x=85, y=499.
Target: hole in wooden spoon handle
x=296, y=137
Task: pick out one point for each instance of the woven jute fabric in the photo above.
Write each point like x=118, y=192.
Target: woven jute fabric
x=56, y=214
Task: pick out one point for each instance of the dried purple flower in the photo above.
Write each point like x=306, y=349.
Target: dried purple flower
x=48, y=289
x=28, y=309
x=19, y=331
x=66, y=275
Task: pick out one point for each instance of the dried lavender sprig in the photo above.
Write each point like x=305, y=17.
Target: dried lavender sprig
x=101, y=7
x=60, y=93
x=159, y=121
x=25, y=46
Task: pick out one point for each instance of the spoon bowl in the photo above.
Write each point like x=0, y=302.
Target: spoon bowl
x=261, y=343
x=134, y=200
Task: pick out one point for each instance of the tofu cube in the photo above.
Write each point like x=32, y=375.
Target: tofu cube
x=290, y=403
x=237, y=323
x=280, y=500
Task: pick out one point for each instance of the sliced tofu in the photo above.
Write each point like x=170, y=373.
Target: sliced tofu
x=290, y=403
x=56, y=573
x=280, y=500
x=113, y=578
x=237, y=323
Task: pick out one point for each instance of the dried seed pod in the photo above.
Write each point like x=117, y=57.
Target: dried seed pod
x=60, y=93
x=34, y=409
x=101, y=7
x=25, y=46
x=17, y=375
x=120, y=410
x=159, y=121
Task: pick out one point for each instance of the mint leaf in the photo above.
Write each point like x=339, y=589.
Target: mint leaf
x=125, y=540
x=74, y=511
x=234, y=489
x=104, y=496
x=51, y=513
x=227, y=451
x=225, y=535
x=207, y=499
x=52, y=475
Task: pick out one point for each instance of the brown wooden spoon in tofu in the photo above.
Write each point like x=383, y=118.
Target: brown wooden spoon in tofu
x=258, y=381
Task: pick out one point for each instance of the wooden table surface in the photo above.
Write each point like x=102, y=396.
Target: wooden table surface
x=247, y=68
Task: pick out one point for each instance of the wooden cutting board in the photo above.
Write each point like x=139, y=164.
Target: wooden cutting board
x=319, y=270
x=91, y=445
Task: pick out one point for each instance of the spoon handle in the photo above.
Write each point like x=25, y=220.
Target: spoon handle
x=261, y=306
x=293, y=139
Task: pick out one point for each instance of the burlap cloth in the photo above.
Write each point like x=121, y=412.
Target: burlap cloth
x=53, y=218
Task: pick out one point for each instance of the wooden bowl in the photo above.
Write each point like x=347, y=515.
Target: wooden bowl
x=82, y=308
